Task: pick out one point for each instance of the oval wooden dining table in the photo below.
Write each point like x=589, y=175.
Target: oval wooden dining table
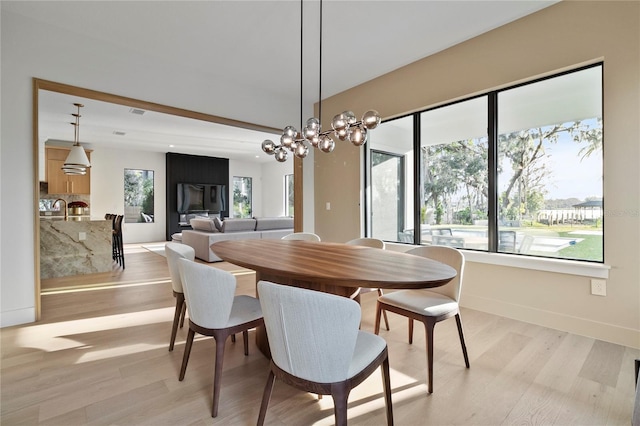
x=331, y=267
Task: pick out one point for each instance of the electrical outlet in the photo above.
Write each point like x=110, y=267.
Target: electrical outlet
x=599, y=287
x=82, y=236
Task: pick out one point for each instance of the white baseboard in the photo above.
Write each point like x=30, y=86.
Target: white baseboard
x=17, y=317
x=581, y=326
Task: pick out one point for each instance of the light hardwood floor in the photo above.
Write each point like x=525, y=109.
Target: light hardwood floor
x=99, y=357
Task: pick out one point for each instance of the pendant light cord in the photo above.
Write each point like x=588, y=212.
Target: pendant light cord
x=320, y=68
x=301, y=60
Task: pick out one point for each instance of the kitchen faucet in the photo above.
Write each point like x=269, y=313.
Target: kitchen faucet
x=65, y=207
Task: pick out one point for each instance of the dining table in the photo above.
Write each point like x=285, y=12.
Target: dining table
x=330, y=267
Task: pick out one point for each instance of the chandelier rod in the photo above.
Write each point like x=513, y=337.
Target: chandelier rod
x=320, y=68
x=344, y=126
x=301, y=60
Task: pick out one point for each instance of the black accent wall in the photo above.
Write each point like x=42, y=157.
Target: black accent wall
x=184, y=168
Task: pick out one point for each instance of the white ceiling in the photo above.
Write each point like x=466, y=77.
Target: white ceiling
x=259, y=42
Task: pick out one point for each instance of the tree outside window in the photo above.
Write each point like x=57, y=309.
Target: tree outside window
x=242, y=197
x=288, y=195
x=138, y=196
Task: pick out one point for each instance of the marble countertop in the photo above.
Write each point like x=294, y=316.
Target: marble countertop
x=72, y=218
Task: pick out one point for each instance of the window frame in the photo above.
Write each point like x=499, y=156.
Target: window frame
x=146, y=175
x=286, y=191
x=596, y=268
x=401, y=184
x=248, y=179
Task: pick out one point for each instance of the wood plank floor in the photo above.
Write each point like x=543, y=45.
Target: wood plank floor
x=99, y=357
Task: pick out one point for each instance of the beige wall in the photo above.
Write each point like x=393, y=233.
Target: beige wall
x=560, y=37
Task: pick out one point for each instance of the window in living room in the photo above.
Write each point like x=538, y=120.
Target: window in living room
x=138, y=196
x=288, y=195
x=242, y=197
x=518, y=170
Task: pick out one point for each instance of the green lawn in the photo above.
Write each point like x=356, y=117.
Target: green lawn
x=590, y=248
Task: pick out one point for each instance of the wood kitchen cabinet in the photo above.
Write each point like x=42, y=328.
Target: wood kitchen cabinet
x=60, y=183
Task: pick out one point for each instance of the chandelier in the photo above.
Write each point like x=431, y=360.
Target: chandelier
x=77, y=161
x=344, y=126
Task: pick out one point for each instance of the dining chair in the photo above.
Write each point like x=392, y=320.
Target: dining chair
x=173, y=252
x=448, y=241
x=507, y=241
x=215, y=310
x=635, y=419
x=306, y=236
x=429, y=306
x=375, y=243
x=117, y=241
x=331, y=360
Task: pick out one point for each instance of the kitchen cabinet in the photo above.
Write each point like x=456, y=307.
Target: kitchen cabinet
x=58, y=181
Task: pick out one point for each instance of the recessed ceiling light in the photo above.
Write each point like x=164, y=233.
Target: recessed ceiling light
x=170, y=146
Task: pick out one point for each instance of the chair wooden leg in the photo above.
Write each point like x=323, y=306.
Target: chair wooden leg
x=410, y=331
x=340, y=394
x=428, y=327
x=183, y=314
x=121, y=250
x=266, y=396
x=245, y=338
x=217, y=374
x=376, y=326
x=176, y=318
x=386, y=320
x=461, y=334
x=386, y=380
x=187, y=352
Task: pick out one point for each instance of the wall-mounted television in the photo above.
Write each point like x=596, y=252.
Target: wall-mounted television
x=200, y=197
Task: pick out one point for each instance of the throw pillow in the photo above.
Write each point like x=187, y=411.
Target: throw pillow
x=218, y=223
x=202, y=224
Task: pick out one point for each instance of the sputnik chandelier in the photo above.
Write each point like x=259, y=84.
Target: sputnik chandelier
x=344, y=126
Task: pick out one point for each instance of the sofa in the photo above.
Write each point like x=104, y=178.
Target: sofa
x=208, y=231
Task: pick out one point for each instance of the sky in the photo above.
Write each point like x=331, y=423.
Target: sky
x=567, y=176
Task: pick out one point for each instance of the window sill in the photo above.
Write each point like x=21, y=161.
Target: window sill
x=561, y=266
x=571, y=267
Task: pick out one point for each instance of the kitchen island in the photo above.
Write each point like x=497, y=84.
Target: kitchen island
x=76, y=246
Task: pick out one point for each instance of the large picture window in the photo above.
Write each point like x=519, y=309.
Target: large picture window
x=517, y=170
x=242, y=195
x=138, y=196
x=288, y=195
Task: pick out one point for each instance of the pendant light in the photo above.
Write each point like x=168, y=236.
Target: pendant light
x=77, y=161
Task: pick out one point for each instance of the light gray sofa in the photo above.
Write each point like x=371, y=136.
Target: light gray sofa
x=207, y=231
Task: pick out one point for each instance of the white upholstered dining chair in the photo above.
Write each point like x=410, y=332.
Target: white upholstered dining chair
x=332, y=359
x=429, y=305
x=173, y=252
x=374, y=243
x=367, y=242
x=305, y=236
x=215, y=310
